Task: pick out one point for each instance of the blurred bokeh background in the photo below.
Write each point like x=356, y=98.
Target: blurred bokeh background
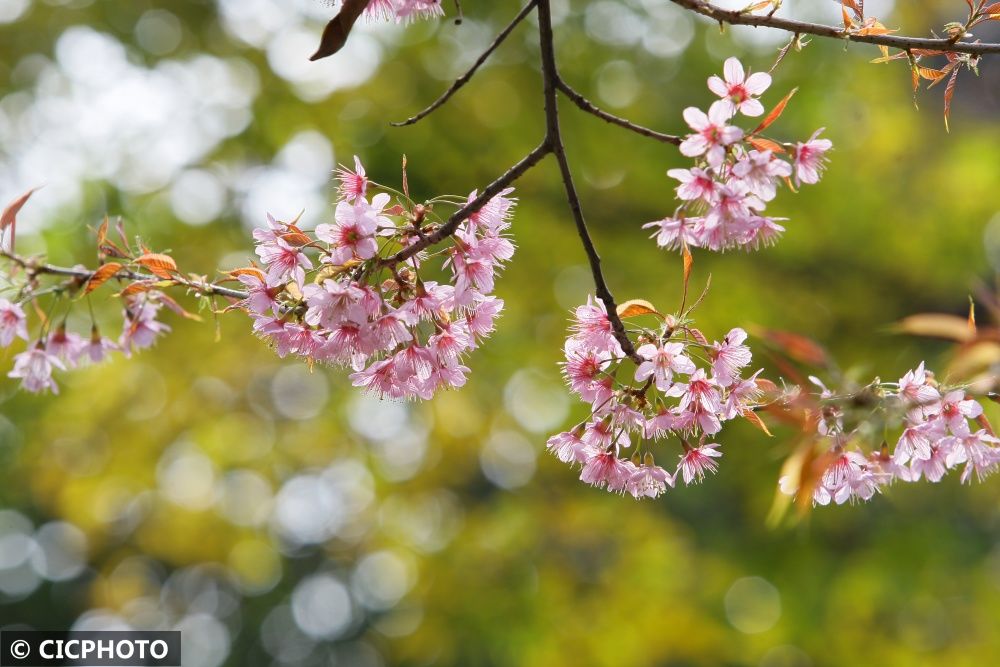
x=278, y=517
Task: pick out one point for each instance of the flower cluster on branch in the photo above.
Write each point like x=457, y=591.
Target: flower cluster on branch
x=736, y=173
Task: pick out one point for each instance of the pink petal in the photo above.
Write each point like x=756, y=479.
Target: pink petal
x=751, y=107
x=733, y=71
x=718, y=86
x=757, y=83
x=696, y=118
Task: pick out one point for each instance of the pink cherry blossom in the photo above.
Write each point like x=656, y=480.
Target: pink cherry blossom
x=730, y=356
x=712, y=134
x=352, y=236
x=354, y=184
x=661, y=363
x=649, y=481
x=738, y=90
x=13, y=322
x=34, y=368
x=695, y=183
x=810, y=158
x=697, y=461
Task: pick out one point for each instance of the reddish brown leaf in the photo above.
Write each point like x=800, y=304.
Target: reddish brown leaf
x=755, y=419
x=635, y=308
x=775, y=112
x=296, y=238
x=9, y=216
x=337, y=30
x=102, y=232
x=102, y=275
x=138, y=287
x=247, y=271
x=688, y=265
x=162, y=266
x=762, y=144
x=949, y=91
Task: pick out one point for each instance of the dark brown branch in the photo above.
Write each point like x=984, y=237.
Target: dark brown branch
x=550, y=75
x=459, y=216
x=465, y=78
x=591, y=108
x=820, y=30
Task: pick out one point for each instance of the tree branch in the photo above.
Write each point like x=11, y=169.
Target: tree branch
x=591, y=108
x=550, y=76
x=465, y=78
x=35, y=268
x=802, y=27
x=459, y=216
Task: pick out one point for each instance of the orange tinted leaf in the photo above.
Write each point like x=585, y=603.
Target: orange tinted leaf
x=9, y=216
x=688, y=265
x=762, y=144
x=635, y=308
x=755, y=419
x=296, y=238
x=102, y=275
x=138, y=287
x=247, y=271
x=929, y=73
x=775, y=112
x=159, y=265
x=102, y=232
x=766, y=385
x=949, y=91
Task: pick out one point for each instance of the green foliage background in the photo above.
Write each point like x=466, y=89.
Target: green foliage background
x=548, y=572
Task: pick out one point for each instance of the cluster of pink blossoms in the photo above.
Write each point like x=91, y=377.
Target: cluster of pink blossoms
x=682, y=387
x=723, y=196
x=403, y=334
x=403, y=10
x=936, y=437
x=63, y=350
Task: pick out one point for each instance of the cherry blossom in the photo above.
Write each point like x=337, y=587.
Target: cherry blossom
x=660, y=398
x=34, y=368
x=723, y=196
x=712, y=133
x=738, y=90
x=13, y=323
x=810, y=158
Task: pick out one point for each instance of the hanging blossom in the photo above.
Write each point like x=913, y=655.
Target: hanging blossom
x=402, y=327
x=940, y=429
x=675, y=396
x=736, y=173
x=63, y=349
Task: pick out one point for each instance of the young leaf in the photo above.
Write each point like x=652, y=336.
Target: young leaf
x=635, y=308
x=102, y=275
x=949, y=91
x=9, y=216
x=762, y=144
x=775, y=112
x=932, y=325
x=162, y=266
x=755, y=419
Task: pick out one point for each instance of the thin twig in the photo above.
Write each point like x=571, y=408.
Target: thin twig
x=35, y=268
x=465, y=78
x=459, y=216
x=735, y=17
x=550, y=75
x=591, y=108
